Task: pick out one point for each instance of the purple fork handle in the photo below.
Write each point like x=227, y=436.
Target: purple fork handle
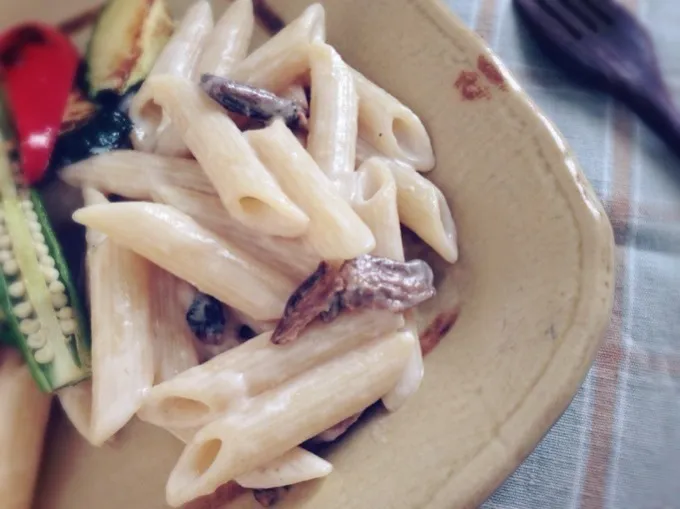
x=621, y=61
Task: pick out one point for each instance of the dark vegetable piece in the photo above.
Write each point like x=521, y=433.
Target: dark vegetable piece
x=207, y=319
x=246, y=332
x=41, y=311
x=39, y=65
x=271, y=496
x=252, y=102
x=366, y=282
x=127, y=39
x=106, y=129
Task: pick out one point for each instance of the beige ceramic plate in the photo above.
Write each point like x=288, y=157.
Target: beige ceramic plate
x=533, y=288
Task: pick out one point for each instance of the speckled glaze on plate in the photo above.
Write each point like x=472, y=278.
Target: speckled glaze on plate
x=532, y=291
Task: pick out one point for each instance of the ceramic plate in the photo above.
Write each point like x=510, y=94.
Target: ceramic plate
x=521, y=314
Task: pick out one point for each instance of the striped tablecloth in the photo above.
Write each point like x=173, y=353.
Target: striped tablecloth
x=618, y=444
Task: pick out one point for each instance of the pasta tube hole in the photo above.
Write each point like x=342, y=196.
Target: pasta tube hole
x=184, y=410
x=371, y=182
x=205, y=456
x=257, y=212
x=404, y=135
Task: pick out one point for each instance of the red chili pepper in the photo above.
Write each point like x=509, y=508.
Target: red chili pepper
x=38, y=65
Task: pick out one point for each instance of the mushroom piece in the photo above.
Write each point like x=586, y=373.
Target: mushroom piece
x=366, y=282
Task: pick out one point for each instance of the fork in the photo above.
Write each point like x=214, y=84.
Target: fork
x=603, y=43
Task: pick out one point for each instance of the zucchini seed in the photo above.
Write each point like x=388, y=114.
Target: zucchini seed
x=59, y=300
x=10, y=267
x=68, y=327
x=28, y=326
x=23, y=310
x=17, y=289
x=45, y=355
x=36, y=340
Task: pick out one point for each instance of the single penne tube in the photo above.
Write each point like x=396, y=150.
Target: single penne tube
x=198, y=396
x=173, y=341
x=390, y=127
x=289, y=256
x=25, y=412
x=178, y=58
x=180, y=55
x=283, y=58
x=122, y=349
x=333, y=116
x=175, y=242
x=414, y=370
x=295, y=466
x=335, y=231
x=228, y=42
x=375, y=200
x=273, y=423
x=423, y=208
x=134, y=174
x=247, y=190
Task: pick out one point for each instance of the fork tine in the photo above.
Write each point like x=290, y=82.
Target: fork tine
x=544, y=15
x=578, y=14
x=601, y=9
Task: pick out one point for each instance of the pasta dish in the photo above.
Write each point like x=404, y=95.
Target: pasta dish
x=246, y=287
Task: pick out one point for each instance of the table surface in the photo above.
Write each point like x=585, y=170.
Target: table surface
x=618, y=444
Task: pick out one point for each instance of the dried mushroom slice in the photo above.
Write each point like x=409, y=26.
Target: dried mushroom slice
x=366, y=282
x=255, y=103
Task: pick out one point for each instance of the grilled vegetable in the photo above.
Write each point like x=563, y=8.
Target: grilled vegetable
x=39, y=65
x=126, y=41
x=106, y=129
x=206, y=318
x=42, y=314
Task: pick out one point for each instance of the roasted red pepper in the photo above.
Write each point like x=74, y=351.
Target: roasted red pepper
x=38, y=65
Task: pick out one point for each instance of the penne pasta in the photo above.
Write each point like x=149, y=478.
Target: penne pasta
x=390, y=127
x=283, y=58
x=423, y=208
x=412, y=375
x=25, y=412
x=228, y=42
x=247, y=190
x=135, y=174
x=201, y=394
x=178, y=58
x=122, y=350
x=375, y=200
x=173, y=341
x=288, y=256
x=335, y=231
x=181, y=54
x=178, y=244
x=295, y=466
x=333, y=116
x=271, y=424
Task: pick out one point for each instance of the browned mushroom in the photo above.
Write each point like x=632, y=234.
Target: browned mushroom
x=366, y=282
x=255, y=103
